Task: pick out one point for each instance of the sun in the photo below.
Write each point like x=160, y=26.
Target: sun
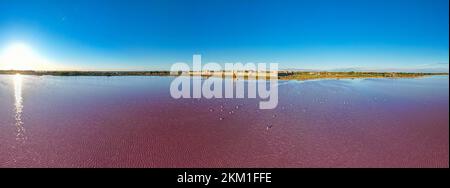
x=20, y=56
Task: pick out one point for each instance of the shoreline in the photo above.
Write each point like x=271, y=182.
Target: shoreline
x=282, y=75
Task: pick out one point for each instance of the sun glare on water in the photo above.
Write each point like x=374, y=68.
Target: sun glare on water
x=20, y=56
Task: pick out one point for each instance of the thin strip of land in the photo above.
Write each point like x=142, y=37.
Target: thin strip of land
x=350, y=75
x=282, y=75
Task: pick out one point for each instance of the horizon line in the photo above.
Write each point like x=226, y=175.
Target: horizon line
x=283, y=70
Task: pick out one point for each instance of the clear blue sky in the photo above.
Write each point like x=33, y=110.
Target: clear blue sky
x=316, y=34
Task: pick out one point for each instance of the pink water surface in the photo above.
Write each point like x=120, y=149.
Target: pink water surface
x=50, y=121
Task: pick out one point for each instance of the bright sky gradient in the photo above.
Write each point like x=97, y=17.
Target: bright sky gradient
x=152, y=35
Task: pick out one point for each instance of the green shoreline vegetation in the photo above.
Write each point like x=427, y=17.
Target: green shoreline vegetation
x=282, y=75
x=347, y=75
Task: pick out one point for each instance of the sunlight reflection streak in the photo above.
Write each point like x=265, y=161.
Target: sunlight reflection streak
x=20, y=134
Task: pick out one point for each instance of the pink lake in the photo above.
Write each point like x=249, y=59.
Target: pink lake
x=50, y=121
